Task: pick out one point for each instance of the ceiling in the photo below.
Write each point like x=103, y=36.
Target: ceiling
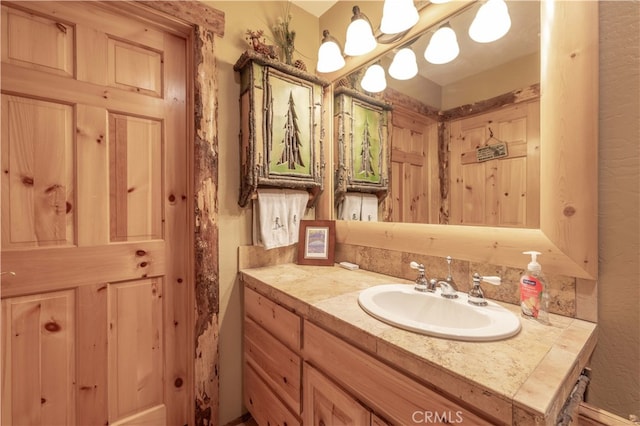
x=315, y=7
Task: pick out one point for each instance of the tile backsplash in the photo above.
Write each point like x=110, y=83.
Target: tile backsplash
x=562, y=288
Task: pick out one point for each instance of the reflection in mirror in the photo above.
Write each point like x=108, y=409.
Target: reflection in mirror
x=465, y=134
x=568, y=159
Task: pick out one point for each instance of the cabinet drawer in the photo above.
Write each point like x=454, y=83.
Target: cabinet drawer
x=397, y=397
x=327, y=404
x=283, y=324
x=263, y=404
x=278, y=365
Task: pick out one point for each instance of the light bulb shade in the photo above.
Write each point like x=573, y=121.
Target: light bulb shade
x=443, y=46
x=360, y=39
x=404, y=65
x=329, y=54
x=491, y=22
x=398, y=16
x=374, y=80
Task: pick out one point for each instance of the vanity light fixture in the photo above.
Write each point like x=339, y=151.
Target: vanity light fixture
x=443, y=46
x=360, y=39
x=398, y=16
x=491, y=22
x=374, y=80
x=330, y=57
x=404, y=65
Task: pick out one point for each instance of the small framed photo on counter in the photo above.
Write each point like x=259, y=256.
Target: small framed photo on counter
x=317, y=242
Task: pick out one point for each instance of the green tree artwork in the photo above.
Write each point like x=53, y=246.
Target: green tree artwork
x=366, y=150
x=291, y=155
x=289, y=123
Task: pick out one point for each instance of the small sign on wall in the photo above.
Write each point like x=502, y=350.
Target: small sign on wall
x=491, y=152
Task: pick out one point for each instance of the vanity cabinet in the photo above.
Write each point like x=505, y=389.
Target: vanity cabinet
x=327, y=380
x=272, y=362
x=395, y=396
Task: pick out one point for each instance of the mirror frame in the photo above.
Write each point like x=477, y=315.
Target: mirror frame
x=568, y=233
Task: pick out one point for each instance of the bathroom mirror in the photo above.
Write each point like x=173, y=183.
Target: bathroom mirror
x=567, y=235
x=486, y=96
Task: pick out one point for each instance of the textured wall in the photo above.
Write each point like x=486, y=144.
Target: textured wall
x=616, y=361
x=235, y=222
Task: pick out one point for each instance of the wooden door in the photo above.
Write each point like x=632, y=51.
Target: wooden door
x=503, y=191
x=95, y=324
x=415, y=186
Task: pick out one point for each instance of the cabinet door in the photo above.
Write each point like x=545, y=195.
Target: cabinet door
x=325, y=404
x=383, y=389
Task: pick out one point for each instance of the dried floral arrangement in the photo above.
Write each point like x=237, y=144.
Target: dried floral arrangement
x=284, y=36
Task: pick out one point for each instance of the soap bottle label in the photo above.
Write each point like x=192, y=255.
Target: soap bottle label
x=530, y=289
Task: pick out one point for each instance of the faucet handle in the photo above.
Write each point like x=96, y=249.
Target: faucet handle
x=476, y=295
x=492, y=280
x=422, y=284
x=416, y=265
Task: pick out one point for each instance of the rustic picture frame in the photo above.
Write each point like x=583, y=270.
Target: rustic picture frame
x=362, y=144
x=317, y=242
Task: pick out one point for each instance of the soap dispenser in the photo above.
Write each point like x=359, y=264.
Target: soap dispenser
x=534, y=296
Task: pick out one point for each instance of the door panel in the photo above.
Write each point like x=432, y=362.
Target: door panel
x=135, y=347
x=94, y=218
x=38, y=344
x=135, y=171
x=38, y=42
x=37, y=150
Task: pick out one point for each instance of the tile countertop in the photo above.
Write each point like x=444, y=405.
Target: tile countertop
x=522, y=379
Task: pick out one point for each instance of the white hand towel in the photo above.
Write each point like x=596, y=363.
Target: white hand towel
x=296, y=205
x=350, y=206
x=369, y=208
x=272, y=209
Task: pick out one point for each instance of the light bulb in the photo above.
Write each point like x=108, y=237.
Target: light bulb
x=374, y=80
x=329, y=55
x=491, y=22
x=404, y=65
x=360, y=39
x=398, y=16
x=443, y=46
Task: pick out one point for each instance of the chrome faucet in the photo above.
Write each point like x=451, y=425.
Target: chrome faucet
x=448, y=288
x=476, y=295
x=447, y=285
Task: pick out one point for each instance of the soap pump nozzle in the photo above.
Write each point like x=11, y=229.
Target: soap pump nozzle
x=533, y=265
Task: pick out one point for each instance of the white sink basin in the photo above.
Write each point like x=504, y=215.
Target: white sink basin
x=430, y=313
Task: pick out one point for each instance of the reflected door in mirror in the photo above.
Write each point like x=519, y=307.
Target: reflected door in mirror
x=503, y=191
x=414, y=168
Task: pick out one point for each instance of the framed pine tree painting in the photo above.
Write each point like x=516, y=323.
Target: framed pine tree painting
x=281, y=111
x=362, y=147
